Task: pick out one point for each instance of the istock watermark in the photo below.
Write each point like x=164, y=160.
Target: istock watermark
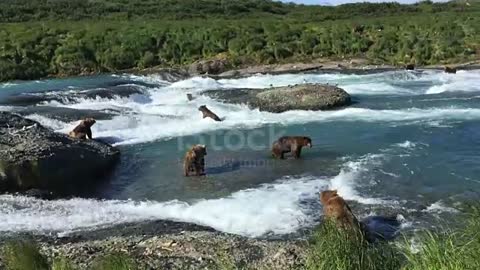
x=234, y=139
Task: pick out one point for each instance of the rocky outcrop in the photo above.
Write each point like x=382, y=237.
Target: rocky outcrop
x=298, y=97
x=35, y=157
x=212, y=67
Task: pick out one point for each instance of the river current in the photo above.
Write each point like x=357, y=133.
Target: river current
x=408, y=146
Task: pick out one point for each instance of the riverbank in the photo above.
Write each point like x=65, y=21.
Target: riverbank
x=354, y=65
x=172, y=245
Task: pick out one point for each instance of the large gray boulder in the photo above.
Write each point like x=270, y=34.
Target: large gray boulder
x=35, y=157
x=280, y=99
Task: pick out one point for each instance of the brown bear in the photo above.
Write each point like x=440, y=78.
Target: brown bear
x=288, y=144
x=451, y=70
x=207, y=113
x=194, y=161
x=190, y=97
x=336, y=209
x=410, y=66
x=83, y=130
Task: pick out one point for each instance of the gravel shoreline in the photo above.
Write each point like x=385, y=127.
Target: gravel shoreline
x=170, y=245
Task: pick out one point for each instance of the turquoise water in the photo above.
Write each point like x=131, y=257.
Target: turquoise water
x=408, y=147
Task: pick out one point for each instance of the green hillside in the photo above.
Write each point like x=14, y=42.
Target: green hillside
x=71, y=37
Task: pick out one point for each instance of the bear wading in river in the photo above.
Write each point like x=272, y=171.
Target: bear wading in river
x=207, y=113
x=337, y=210
x=288, y=144
x=451, y=70
x=83, y=130
x=194, y=161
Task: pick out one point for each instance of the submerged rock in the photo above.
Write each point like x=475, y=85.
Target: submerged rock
x=298, y=97
x=73, y=96
x=64, y=114
x=35, y=157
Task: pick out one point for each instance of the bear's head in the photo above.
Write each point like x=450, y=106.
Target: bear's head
x=200, y=150
x=307, y=142
x=89, y=122
x=203, y=108
x=327, y=195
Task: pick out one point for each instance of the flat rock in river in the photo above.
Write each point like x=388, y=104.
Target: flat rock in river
x=280, y=99
x=35, y=157
x=64, y=114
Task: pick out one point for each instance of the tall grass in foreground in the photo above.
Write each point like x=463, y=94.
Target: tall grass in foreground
x=20, y=255
x=449, y=250
x=62, y=263
x=114, y=261
x=455, y=249
x=332, y=248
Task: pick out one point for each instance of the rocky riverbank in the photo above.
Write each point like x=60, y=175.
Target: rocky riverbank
x=171, y=245
x=221, y=69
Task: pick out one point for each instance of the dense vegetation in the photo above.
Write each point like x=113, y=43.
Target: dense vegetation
x=69, y=37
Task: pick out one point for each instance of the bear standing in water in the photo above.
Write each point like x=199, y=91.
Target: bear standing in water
x=451, y=70
x=289, y=144
x=207, y=113
x=83, y=130
x=194, y=161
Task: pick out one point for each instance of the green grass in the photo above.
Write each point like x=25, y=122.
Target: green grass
x=449, y=250
x=23, y=256
x=114, y=261
x=62, y=263
x=338, y=249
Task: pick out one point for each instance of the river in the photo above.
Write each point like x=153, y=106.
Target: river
x=408, y=146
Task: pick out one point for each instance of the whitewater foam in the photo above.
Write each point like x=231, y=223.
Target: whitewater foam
x=164, y=112
x=464, y=81
x=352, y=173
x=385, y=83
x=407, y=144
x=271, y=208
x=439, y=207
x=169, y=115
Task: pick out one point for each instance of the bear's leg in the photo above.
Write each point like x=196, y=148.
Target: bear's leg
x=277, y=153
x=186, y=169
x=198, y=168
x=296, y=150
x=202, y=167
